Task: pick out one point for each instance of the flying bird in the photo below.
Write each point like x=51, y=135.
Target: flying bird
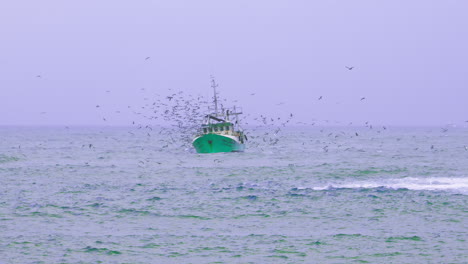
x=363, y=98
x=147, y=58
x=349, y=68
x=320, y=98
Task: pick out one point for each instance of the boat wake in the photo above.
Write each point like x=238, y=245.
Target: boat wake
x=458, y=185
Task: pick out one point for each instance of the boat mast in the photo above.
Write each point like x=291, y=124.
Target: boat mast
x=214, y=85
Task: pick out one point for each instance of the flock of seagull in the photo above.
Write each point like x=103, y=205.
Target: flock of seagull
x=175, y=118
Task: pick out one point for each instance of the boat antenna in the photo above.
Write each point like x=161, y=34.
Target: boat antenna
x=214, y=85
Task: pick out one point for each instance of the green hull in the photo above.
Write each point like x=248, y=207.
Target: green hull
x=213, y=143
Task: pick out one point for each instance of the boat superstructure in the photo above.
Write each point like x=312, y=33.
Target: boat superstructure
x=220, y=131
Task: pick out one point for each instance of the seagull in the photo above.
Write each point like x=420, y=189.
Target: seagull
x=349, y=68
x=363, y=98
x=320, y=98
x=147, y=58
x=38, y=76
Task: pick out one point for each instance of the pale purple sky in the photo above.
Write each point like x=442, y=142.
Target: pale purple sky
x=410, y=58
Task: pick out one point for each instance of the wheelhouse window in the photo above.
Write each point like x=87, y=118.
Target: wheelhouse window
x=205, y=130
x=221, y=128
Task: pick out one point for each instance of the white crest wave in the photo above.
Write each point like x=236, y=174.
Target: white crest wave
x=458, y=184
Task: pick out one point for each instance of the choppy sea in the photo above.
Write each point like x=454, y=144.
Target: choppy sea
x=315, y=195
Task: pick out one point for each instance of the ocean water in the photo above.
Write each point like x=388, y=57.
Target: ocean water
x=315, y=195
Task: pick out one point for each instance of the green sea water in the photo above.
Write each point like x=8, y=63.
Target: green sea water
x=315, y=195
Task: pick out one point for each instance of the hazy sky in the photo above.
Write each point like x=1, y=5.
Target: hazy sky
x=410, y=58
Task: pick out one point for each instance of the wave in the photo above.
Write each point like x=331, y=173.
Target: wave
x=5, y=159
x=432, y=184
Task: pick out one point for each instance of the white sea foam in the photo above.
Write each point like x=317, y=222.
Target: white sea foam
x=459, y=185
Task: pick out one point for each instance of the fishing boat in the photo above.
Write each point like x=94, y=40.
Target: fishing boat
x=220, y=131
